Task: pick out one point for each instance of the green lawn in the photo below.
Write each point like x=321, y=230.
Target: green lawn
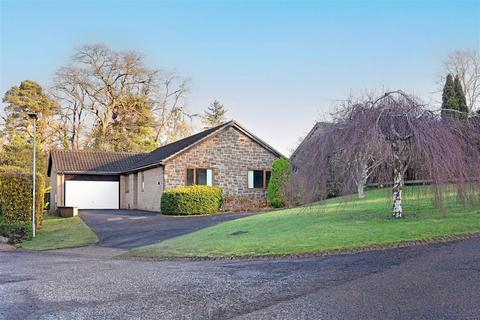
x=58, y=233
x=339, y=223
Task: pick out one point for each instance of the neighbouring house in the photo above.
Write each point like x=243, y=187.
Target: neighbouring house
x=301, y=153
x=227, y=156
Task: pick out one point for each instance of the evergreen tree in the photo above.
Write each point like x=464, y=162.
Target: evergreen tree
x=132, y=126
x=26, y=98
x=449, y=97
x=214, y=115
x=461, y=100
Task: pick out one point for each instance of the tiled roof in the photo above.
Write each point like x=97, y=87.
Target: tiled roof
x=95, y=162
x=170, y=149
x=99, y=162
x=318, y=128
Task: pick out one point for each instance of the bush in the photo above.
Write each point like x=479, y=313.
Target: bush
x=281, y=169
x=16, y=196
x=17, y=232
x=191, y=200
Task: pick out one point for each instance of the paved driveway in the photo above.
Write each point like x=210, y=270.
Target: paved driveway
x=429, y=282
x=127, y=229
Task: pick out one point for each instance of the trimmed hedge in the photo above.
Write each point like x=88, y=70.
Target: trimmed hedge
x=16, y=196
x=191, y=200
x=281, y=169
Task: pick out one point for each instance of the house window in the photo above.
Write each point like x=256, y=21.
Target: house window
x=199, y=177
x=127, y=184
x=258, y=179
x=142, y=181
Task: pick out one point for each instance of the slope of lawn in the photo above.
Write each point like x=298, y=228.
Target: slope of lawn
x=57, y=233
x=339, y=223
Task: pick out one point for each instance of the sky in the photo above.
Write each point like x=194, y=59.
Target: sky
x=277, y=66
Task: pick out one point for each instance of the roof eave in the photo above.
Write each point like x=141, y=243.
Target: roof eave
x=97, y=173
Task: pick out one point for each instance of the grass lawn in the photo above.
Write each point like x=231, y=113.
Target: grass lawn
x=57, y=233
x=339, y=223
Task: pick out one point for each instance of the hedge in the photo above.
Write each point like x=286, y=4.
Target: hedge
x=278, y=181
x=17, y=232
x=16, y=196
x=191, y=200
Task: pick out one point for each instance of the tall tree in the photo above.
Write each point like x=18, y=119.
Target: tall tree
x=69, y=90
x=214, y=115
x=132, y=127
x=461, y=100
x=107, y=76
x=466, y=64
x=94, y=88
x=449, y=97
x=26, y=98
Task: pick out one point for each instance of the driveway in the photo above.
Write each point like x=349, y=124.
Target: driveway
x=127, y=229
x=427, y=282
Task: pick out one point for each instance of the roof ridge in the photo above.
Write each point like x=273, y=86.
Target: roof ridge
x=98, y=151
x=212, y=129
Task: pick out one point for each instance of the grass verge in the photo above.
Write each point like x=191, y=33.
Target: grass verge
x=57, y=233
x=336, y=224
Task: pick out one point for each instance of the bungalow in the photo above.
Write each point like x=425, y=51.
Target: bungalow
x=227, y=156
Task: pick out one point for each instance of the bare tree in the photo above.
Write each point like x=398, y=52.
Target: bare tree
x=357, y=155
x=398, y=131
x=173, y=121
x=69, y=90
x=466, y=65
x=95, y=86
x=106, y=76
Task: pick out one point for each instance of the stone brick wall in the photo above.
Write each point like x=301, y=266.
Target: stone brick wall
x=230, y=154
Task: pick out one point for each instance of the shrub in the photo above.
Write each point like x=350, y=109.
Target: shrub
x=16, y=196
x=191, y=200
x=281, y=169
x=17, y=232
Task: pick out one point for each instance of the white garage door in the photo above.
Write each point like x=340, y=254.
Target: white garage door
x=91, y=194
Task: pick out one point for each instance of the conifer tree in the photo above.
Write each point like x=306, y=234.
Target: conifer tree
x=214, y=115
x=461, y=100
x=449, y=97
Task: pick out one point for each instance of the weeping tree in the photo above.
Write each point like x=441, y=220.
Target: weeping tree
x=400, y=133
x=357, y=155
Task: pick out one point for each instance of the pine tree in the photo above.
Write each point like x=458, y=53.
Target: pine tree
x=449, y=97
x=214, y=115
x=26, y=98
x=461, y=100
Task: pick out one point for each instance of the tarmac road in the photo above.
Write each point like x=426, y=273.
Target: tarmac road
x=440, y=281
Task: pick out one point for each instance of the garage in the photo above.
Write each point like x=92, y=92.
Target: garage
x=87, y=192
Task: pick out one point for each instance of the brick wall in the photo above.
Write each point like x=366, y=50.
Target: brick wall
x=230, y=154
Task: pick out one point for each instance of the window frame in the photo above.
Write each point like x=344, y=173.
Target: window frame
x=142, y=181
x=264, y=180
x=195, y=176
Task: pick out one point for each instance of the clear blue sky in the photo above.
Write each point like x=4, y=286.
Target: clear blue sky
x=277, y=66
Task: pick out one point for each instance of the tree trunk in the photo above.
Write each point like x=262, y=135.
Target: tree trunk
x=398, y=173
x=362, y=180
x=397, y=194
x=361, y=190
